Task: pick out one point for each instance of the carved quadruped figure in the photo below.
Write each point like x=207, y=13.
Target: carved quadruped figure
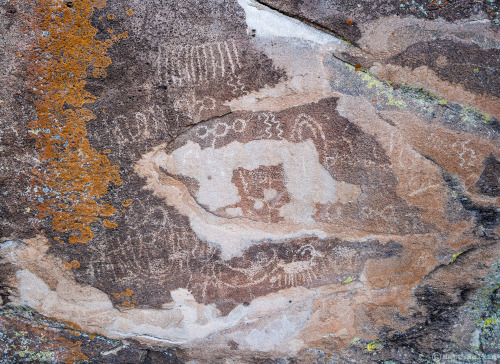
x=300, y=270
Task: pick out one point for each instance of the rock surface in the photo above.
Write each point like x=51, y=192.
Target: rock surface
x=250, y=182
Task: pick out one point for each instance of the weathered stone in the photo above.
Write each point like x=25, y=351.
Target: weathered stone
x=343, y=17
x=229, y=181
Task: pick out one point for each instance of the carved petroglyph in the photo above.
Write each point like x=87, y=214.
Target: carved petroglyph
x=197, y=64
x=123, y=131
x=274, y=127
x=219, y=130
x=237, y=86
x=305, y=123
x=195, y=107
x=300, y=271
x=262, y=193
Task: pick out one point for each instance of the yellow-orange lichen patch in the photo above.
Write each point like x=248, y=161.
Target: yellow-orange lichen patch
x=130, y=12
x=125, y=295
x=119, y=36
x=74, y=176
x=109, y=224
x=127, y=203
x=74, y=264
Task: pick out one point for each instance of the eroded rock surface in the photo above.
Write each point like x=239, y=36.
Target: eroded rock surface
x=270, y=181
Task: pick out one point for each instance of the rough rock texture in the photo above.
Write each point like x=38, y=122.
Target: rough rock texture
x=249, y=182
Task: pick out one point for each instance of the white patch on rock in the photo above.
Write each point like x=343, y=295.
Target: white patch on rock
x=234, y=211
x=258, y=205
x=270, y=23
x=300, y=163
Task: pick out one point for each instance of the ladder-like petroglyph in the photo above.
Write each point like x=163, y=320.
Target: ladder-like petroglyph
x=191, y=65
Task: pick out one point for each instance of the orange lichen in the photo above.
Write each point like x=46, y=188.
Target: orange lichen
x=99, y=73
x=75, y=333
x=130, y=12
x=74, y=176
x=127, y=203
x=109, y=224
x=111, y=16
x=125, y=295
x=74, y=264
x=119, y=36
x=349, y=22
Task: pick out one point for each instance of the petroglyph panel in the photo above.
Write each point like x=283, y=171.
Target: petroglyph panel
x=237, y=182
x=206, y=175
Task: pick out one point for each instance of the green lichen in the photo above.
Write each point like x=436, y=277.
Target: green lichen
x=40, y=357
x=489, y=321
x=474, y=116
x=468, y=114
x=373, y=347
x=348, y=280
x=486, y=311
x=384, y=91
x=454, y=257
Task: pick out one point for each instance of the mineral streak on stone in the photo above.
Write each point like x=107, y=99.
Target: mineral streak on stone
x=249, y=181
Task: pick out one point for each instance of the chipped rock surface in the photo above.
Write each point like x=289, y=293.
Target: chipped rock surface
x=242, y=181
